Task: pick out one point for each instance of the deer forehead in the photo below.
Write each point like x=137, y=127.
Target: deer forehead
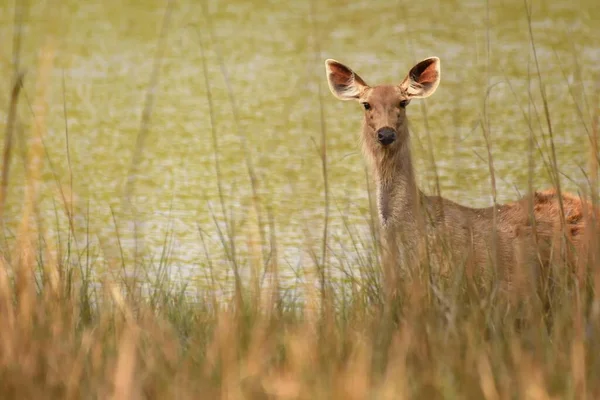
x=383, y=95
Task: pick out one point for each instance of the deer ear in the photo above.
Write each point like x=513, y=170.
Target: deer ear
x=423, y=79
x=344, y=83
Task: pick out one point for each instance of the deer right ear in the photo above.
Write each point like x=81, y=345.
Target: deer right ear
x=344, y=83
x=422, y=79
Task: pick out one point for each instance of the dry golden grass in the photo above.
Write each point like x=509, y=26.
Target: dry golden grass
x=63, y=336
x=57, y=342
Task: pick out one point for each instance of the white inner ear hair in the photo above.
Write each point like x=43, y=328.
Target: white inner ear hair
x=414, y=88
x=350, y=88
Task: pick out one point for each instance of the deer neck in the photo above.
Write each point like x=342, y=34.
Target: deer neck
x=397, y=193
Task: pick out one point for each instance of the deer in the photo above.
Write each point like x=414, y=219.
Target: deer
x=509, y=238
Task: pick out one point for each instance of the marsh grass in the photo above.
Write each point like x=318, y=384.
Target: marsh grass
x=68, y=333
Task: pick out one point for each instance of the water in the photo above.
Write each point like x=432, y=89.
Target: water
x=273, y=53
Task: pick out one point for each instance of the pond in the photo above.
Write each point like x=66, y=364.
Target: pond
x=267, y=109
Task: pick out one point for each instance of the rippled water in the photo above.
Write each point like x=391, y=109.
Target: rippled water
x=273, y=53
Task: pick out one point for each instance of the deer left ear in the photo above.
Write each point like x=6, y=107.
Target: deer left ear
x=344, y=83
x=422, y=79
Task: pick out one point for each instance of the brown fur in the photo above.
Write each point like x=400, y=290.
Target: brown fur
x=518, y=246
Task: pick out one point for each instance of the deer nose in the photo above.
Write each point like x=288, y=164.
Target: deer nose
x=386, y=136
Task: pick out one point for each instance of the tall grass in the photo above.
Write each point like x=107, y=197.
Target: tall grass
x=64, y=335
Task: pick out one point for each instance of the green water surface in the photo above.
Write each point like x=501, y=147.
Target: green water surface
x=271, y=55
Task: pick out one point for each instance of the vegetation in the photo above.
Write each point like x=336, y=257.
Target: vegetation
x=66, y=334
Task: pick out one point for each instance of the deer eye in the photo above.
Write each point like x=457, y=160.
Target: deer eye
x=367, y=106
x=404, y=103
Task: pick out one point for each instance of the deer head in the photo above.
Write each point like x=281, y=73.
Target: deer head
x=385, y=105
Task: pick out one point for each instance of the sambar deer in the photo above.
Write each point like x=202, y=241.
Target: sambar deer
x=510, y=240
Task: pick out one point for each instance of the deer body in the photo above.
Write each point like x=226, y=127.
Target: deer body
x=408, y=216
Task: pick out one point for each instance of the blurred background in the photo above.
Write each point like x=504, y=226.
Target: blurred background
x=242, y=84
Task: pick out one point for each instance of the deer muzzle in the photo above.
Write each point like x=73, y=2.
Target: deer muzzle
x=386, y=136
